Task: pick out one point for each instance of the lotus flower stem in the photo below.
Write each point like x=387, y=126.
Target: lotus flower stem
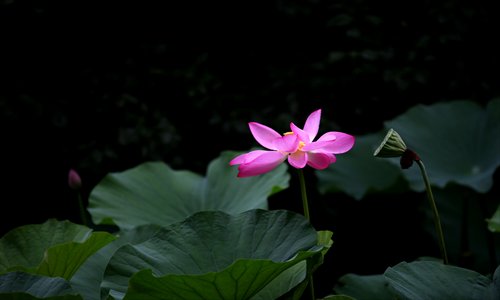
x=304, y=194
x=305, y=205
x=437, y=221
x=311, y=287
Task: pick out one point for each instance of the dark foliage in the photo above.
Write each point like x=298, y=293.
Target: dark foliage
x=101, y=86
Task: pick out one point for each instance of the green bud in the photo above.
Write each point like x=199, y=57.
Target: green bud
x=391, y=146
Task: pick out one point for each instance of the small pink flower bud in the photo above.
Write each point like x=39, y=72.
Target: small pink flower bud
x=74, y=180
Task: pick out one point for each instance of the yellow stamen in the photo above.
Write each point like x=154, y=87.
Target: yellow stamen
x=301, y=143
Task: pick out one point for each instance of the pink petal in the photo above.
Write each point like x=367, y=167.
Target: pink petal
x=329, y=136
x=304, y=136
x=262, y=164
x=320, y=145
x=298, y=159
x=343, y=142
x=332, y=157
x=312, y=124
x=247, y=157
x=320, y=161
x=288, y=143
x=264, y=135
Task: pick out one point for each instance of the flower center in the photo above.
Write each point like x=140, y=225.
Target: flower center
x=301, y=143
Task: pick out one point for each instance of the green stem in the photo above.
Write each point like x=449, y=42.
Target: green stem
x=311, y=287
x=304, y=194
x=305, y=205
x=83, y=216
x=437, y=221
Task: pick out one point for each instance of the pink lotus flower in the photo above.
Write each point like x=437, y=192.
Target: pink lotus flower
x=297, y=146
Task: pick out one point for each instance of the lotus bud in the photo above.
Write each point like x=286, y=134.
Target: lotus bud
x=394, y=146
x=74, y=180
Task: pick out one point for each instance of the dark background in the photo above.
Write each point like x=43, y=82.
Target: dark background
x=101, y=87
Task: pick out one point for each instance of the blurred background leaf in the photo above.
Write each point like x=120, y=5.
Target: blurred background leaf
x=458, y=142
x=154, y=193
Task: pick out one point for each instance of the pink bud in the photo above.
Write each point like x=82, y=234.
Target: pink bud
x=74, y=180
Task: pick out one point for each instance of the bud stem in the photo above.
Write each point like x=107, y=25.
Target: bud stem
x=437, y=221
x=83, y=216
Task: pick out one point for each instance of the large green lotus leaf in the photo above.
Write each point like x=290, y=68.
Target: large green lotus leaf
x=284, y=282
x=434, y=280
x=364, y=287
x=292, y=283
x=213, y=250
x=88, y=278
x=241, y=280
x=24, y=246
x=65, y=259
x=458, y=142
x=493, y=291
x=24, y=286
x=153, y=193
x=358, y=172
